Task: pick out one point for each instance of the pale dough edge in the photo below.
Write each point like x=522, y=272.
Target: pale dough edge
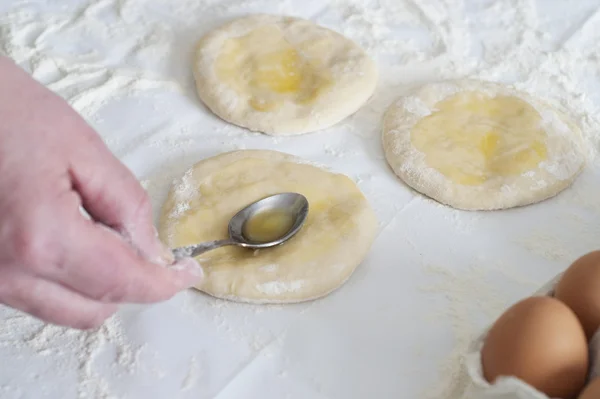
x=445, y=195
x=340, y=104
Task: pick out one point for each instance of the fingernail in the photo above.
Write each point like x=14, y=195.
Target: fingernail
x=165, y=256
x=188, y=265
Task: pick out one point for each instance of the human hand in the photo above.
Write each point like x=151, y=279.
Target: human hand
x=56, y=263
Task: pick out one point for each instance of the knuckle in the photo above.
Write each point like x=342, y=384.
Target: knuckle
x=115, y=291
x=33, y=248
x=107, y=277
x=136, y=291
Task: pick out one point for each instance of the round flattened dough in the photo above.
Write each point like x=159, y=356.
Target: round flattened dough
x=282, y=75
x=481, y=146
x=337, y=234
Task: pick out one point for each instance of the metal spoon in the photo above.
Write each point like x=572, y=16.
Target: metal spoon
x=294, y=203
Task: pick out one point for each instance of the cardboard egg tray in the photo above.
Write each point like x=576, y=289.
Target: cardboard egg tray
x=510, y=387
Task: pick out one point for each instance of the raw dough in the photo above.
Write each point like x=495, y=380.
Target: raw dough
x=281, y=75
x=481, y=146
x=337, y=235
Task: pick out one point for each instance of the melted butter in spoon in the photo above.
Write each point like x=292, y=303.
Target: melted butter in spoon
x=268, y=225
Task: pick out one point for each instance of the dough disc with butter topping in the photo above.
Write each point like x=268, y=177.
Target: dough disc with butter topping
x=335, y=238
x=481, y=146
x=282, y=75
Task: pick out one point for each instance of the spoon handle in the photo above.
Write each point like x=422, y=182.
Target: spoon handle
x=197, y=249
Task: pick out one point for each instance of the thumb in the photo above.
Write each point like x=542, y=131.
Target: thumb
x=112, y=195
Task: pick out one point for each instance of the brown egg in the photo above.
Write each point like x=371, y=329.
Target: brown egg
x=540, y=341
x=579, y=288
x=591, y=391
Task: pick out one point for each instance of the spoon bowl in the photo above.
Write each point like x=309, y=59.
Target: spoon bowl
x=293, y=207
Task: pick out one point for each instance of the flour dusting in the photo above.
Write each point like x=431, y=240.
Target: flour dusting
x=185, y=191
x=72, y=350
x=473, y=302
x=279, y=287
x=108, y=58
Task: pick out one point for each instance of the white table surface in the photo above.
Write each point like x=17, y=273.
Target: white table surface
x=435, y=276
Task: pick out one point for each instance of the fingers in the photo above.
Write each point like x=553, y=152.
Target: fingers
x=101, y=265
x=113, y=196
x=51, y=302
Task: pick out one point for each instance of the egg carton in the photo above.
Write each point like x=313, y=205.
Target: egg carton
x=477, y=386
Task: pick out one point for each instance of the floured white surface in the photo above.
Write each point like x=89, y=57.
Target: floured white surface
x=435, y=278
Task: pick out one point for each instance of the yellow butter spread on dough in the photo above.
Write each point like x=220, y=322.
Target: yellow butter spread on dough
x=268, y=70
x=471, y=138
x=237, y=184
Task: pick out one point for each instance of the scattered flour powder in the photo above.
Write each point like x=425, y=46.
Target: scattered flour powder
x=95, y=52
